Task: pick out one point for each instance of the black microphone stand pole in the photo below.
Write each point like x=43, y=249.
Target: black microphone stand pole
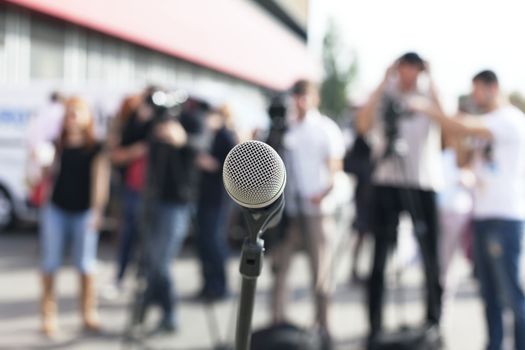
x=258, y=221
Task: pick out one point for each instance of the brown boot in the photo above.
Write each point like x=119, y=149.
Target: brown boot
x=88, y=303
x=48, y=306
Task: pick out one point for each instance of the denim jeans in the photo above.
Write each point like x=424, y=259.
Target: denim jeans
x=497, y=251
x=58, y=228
x=169, y=226
x=131, y=201
x=212, y=247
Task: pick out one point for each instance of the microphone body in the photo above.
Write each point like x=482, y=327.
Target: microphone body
x=254, y=177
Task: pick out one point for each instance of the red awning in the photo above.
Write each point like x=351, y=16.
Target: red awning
x=235, y=37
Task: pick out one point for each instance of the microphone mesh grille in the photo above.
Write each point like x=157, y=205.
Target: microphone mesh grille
x=254, y=175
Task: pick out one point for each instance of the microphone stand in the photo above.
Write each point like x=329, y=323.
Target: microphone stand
x=258, y=220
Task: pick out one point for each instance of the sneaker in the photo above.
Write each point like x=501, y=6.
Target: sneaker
x=216, y=296
x=165, y=327
x=211, y=296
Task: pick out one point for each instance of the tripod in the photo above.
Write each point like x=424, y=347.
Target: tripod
x=133, y=331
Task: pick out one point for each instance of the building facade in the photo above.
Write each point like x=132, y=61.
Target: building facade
x=225, y=51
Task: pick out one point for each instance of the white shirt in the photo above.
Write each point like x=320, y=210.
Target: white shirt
x=500, y=186
x=309, y=146
x=454, y=196
x=420, y=166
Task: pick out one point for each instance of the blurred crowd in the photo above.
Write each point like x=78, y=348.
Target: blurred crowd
x=459, y=178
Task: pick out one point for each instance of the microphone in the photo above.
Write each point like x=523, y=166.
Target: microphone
x=254, y=177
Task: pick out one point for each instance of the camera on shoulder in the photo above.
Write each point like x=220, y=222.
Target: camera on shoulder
x=166, y=105
x=278, y=123
x=395, y=109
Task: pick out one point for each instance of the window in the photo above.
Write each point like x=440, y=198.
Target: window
x=47, y=49
x=95, y=57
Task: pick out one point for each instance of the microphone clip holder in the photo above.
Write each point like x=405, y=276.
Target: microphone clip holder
x=260, y=219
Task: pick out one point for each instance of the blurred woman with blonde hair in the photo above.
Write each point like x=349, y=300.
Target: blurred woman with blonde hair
x=74, y=212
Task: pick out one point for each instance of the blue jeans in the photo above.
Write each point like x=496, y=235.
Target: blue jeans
x=58, y=228
x=497, y=250
x=212, y=247
x=169, y=226
x=131, y=202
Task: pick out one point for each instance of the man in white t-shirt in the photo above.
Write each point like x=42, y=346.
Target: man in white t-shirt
x=499, y=202
x=313, y=153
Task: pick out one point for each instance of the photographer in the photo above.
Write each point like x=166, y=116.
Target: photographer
x=213, y=204
x=407, y=151
x=170, y=190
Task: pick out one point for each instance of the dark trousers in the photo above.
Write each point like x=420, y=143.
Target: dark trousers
x=387, y=204
x=212, y=247
x=497, y=252
x=131, y=204
x=167, y=231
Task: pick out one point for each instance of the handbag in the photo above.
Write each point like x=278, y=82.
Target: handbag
x=358, y=158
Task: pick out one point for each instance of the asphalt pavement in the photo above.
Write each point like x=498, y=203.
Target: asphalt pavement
x=203, y=326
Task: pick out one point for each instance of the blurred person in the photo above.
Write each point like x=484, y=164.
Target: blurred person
x=127, y=108
x=74, y=212
x=499, y=201
x=46, y=125
x=407, y=155
x=313, y=152
x=129, y=155
x=169, y=194
x=455, y=210
x=362, y=196
x=278, y=114
x=358, y=162
x=213, y=204
x=44, y=128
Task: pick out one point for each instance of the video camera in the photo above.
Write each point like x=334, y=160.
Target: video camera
x=395, y=110
x=166, y=105
x=278, y=123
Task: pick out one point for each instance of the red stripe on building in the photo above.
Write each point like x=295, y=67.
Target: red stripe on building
x=231, y=36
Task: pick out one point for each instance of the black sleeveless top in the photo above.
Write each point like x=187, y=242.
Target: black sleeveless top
x=72, y=190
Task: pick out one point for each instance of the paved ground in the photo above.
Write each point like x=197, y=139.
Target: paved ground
x=19, y=290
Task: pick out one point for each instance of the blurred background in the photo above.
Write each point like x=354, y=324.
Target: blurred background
x=236, y=52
